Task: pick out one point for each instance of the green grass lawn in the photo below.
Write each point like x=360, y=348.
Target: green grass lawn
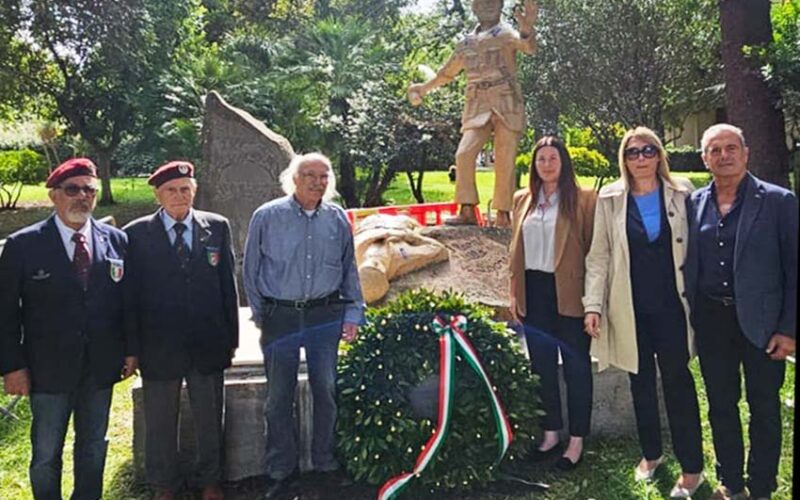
x=134, y=197
x=438, y=188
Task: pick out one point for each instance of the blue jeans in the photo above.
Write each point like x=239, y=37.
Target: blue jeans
x=284, y=331
x=89, y=406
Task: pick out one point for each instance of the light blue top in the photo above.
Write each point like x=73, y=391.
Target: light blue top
x=650, y=209
x=169, y=225
x=291, y=255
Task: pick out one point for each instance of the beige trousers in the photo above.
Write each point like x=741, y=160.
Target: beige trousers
x=505, y=153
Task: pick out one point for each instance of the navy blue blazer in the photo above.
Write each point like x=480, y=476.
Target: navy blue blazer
x=48, y=323
x=765, y=258
x=183, y=320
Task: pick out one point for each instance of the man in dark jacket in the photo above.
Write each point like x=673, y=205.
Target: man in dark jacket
x=62, y=341
x=741, y=284
x=183, y=308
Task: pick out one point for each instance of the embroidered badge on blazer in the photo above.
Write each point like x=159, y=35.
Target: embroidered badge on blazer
x=212, y=255
x=116, y=269
x=40, y=275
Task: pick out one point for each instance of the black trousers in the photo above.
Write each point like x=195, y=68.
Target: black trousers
x=723, y=350
x=661, y=337
x=161, y=412
x=547, y=333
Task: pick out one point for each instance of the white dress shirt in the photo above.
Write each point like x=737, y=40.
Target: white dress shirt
x=539, y=233
x=66, y=236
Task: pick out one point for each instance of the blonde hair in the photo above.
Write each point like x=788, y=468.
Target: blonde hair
x=650, y=137
x=289, y=174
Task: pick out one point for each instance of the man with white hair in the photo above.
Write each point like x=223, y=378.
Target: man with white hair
x=62, y=341
x=301, y=281
x=741, y=285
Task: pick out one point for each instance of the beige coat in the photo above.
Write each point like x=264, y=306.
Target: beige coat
x=608, y=283
x=572, y=241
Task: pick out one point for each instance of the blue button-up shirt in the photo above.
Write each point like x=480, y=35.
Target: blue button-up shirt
x=716, y=244
x=293, y=255
x=169, y=226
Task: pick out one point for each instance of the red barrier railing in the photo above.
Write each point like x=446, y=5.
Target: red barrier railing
x=427, y=214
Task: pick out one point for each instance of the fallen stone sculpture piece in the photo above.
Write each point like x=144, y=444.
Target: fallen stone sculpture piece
x=388, y=246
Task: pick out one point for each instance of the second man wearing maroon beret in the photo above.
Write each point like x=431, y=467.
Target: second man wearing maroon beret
x=183, y=308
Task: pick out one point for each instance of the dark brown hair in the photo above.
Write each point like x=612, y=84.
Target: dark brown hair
x=567, y=182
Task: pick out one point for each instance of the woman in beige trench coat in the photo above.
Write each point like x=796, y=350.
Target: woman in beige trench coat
x=635, y=307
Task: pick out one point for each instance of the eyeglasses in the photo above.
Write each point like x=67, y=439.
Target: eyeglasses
x=648, y=152
x=308, y=176
x=72, y=190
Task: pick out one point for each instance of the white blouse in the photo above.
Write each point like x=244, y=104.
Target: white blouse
x=539, y=234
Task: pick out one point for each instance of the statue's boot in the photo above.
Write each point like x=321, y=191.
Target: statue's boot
x=503, y=219
x=465, y=217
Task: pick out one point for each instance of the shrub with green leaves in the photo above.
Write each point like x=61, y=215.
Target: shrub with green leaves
x=590, y=163
x=379, y=434
x=18, y=168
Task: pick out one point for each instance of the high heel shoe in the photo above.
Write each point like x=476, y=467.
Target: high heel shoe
x=564, y=464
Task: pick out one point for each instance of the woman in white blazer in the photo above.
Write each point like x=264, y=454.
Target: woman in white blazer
x=636, y=310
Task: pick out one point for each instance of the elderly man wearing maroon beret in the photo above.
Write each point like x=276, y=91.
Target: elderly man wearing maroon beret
x=183, y=308
x=62, y=341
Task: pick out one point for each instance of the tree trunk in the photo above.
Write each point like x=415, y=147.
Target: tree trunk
x=104, y=172
x=347, y=181
x=751, y=104
x=416, y=185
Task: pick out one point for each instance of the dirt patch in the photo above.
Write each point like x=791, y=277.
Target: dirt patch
x=477, y=268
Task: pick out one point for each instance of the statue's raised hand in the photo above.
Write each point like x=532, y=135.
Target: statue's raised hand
x=527, y=16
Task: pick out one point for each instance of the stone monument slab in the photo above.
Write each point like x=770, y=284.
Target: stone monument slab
x=242, y=159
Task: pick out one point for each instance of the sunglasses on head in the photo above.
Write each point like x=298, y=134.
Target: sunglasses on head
x=72, y=190
x=648, y=152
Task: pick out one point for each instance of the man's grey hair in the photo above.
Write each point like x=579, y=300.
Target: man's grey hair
x=716, y=129
x=287, y=177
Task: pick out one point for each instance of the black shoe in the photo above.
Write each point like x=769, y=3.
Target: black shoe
x=276, y=487
x=564, y=464
x=540, y=456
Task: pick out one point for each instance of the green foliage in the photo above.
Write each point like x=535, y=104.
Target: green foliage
x=379, y=437
x=782, y=61
x=522, y=163
x=601, y=65
x=579, y=137
x=590, y=163
x=18, y=168
x=685, y=159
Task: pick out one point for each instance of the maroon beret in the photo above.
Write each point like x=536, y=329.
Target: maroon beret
x=169, y=171
x=71, y=168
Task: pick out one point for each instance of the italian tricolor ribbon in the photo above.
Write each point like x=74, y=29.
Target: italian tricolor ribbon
x=451, y=338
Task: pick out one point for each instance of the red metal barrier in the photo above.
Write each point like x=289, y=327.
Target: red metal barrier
x=427, y=214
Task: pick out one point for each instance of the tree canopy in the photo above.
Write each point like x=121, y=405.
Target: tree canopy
x=129, y=78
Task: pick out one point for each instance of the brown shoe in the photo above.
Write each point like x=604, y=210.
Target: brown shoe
x=164, y=494
x=465, y=217
x=503, y=219
x=213, y=492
